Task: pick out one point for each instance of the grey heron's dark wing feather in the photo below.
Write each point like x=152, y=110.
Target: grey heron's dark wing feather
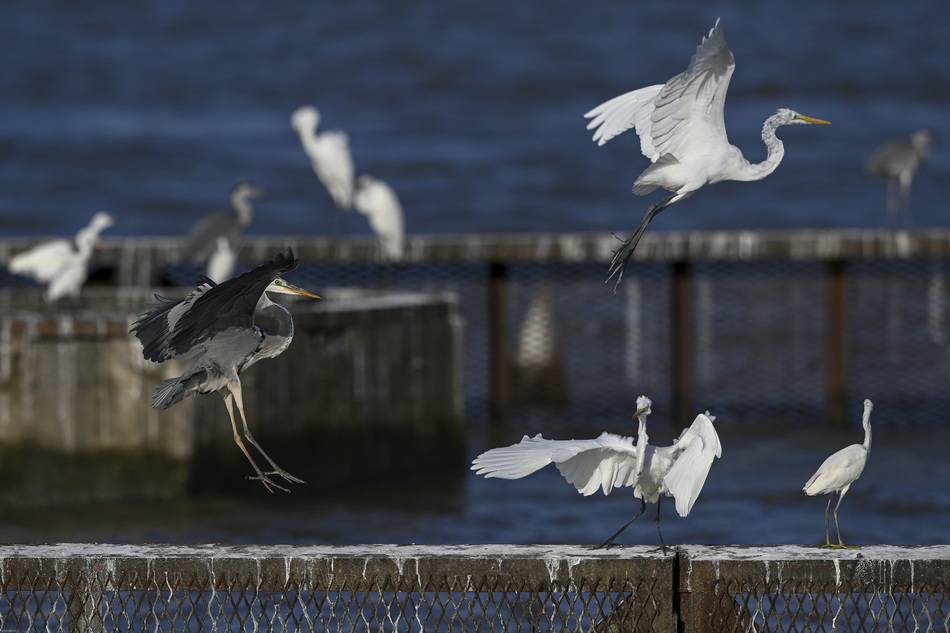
x=204, y=236
x=153, y=328
x=230, y=304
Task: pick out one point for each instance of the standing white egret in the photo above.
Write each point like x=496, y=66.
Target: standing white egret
x=897, y=162
x=329, y=154
x=217, y=332
x=682, y=131
x=62, y=264
x=613, y=461
x=839, y=471
x=378, y=202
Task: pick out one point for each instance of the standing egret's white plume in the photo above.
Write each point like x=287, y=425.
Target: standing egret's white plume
x=329, y=154
x=613, y=461
x=682, y=131
x=62, y=264
x=839, y=471
x=378, y=202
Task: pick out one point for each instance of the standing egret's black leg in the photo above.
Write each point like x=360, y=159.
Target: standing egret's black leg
x=621, y=256
x=827, y=530
x=261, y=477
x=235, y=391
x=606, y=544
x=658, y=531
x=838, y=505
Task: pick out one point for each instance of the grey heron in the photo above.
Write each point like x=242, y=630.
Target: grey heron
x=62, y=265
x=682, y=131
x=613, y=461
x=839, y=471
x=204, y=239
x=329, y=154
x=378, y=202
x=216, y=332
x=897, y=162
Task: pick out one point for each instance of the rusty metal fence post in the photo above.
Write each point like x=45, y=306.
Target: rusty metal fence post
x=836, y=343
x=499, y=365
x=680, y=340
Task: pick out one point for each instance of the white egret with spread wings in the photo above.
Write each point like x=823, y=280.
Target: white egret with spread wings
x=682, y=131
x=839, y=471
x=218, y=331
x=613, y=461
x=63, y=265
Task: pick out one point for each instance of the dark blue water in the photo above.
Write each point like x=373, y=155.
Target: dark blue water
x=472, y=110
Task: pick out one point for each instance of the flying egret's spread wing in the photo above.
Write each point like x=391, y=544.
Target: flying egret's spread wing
x=204, y=237
x=605, y=463
x=696, y=448
x=334, y=166
x=689, y=110
x=44, y=261
x=172, y=328
x=630, y=110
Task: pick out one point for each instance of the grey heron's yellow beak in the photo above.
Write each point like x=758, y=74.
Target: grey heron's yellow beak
x=812, y=120
x=282, y=287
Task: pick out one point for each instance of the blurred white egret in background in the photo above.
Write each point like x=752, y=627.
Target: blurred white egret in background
x=378, y=202
x=897, y=161
x=329, y=154
x=204, y=242
x=613, y=461
x=62, y=264
x=222, y=261
x=839, y=471
x=538, y=367
x=682, y=131
x=217, y=332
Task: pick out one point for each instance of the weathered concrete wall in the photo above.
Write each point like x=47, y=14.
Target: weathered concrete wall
x=369, y=381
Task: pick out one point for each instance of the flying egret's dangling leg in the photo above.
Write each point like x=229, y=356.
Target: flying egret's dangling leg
x=838, y=505
x=237, y=440
x=235, y=390
x=606, y=544
x=621, y=256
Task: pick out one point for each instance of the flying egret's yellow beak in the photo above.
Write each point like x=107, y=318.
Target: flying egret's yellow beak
x=812, y=120
x=641, y=412
x=283, y=287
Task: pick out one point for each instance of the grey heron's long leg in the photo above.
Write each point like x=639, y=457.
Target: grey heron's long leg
x=621, y=256
x=838, y=505
x=235, y=390
x=606, y=544
x=237, y=440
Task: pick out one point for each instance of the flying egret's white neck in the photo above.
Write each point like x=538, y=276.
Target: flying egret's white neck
x=87, y=237
x=774, y=147
x=867, y=425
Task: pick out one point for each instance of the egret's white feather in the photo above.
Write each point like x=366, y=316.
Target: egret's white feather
x=378, y=202
x=334, y=165
x=44, y=261
x=629, y=110
x=698, y=446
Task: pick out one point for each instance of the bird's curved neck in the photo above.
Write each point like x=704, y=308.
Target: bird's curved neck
x=86, y=239
x=242, y=206
x=775, y=149
x=867, y=435
x=273, y=319
x=642, y=439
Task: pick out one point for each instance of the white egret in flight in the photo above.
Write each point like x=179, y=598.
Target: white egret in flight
x=217, y=332
x=378, y=202
x=329, y=154
x=839, y=471
x=897, y=162
x=613, y=461
x=683, y=132
x=204, y=242
x=62, y=265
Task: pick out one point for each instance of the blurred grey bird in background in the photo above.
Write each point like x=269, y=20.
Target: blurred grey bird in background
x=215, y=333
x=897, y=161
x=204, y=242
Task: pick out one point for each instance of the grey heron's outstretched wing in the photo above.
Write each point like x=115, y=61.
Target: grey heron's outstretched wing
x=204, y=236
x=695, y=451
x=173, y=328
x=607, y=462
x=689, y=110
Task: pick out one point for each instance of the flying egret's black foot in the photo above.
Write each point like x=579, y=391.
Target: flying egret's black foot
x=620, y=259
x=267, y=483
x=280, y=472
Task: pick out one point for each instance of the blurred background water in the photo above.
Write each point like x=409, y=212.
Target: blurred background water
x=473, y=112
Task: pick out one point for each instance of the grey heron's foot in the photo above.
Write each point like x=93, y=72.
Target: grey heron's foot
x=280, y=472
x=267, y=483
